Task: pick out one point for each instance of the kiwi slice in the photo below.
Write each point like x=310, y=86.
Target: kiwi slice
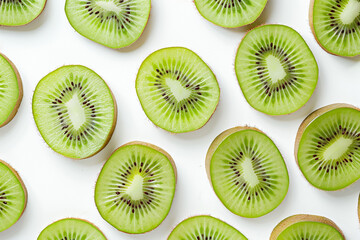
x=205, y=228
x=74, y=111
x=336, y=26
x=71, y=229
x=11, y=91
x=177, y=90
x=20, y=12
x=136, y=187
x=13, y=196
x=230, y=13
x=247, y=171
x=276, y=70
x=113, y=23
x=327, y=147
x=309, y=227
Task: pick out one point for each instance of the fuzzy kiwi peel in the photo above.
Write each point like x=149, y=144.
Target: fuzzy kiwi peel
x=303, y=127
x=249, y=171
x=65, y=92
x=20, y=95
x=287, y=222
x=17, y=18
x=132, y=210
x=328, y=49
x=50, y=231
x=23, y=187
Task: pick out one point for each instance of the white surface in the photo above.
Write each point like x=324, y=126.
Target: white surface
x=60, y=187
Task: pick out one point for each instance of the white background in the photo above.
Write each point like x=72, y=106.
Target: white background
x=60, y=187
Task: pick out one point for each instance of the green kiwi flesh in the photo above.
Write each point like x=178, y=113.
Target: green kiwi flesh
x=276, y=70
x=11, y=92
x=336, y=26
x=136, y=187
x=177, y=90
x=74, y=111
x=205, y=228
x=327, y=147
x=20, y=12
x=113, y=23
x=13, y=196
x=71, y=229
x=247, y=172
x=230, y=13
x=304, y=227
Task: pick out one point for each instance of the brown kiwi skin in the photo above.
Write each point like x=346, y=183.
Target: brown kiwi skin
x=81, y=220
x=21, y=182
x=167, y=155
x=173, y=133
x=28, y=22
x=18, y=102
x=112, y=127
x=287, y=222
x=312, y=116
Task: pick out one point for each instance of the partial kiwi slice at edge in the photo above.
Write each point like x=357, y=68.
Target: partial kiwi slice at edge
x=71, y=229
x=177, y=90
x=327, y=146
x=13, y=196
x=303, y=226
x=75, y=111
x=20, y=12
x=230, y=13
x=204, y=228
x=136, y=187
x=276, y=70
x=336, y=26
x=247, y=171
x=112, y=23
x=11, y=90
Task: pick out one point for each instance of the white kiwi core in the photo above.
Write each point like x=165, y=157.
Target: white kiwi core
x=135, y=188
x=350, y=12
x=249, y=173
x=177, y=89
x=337, y=148
x=275, y=68
x=76, y=112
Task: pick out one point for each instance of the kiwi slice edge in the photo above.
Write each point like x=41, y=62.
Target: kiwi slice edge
x=173, y=166
x=16, y=174
x=287, y=222
x=20, y=86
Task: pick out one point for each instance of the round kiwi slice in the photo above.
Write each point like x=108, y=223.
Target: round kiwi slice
x=71, y=229
x=13, y=196
x=304, y=227
x=276, y=70
x=11, y=91
x=20, y=12
x=230, y=13
x=113, y=23
x=74, y=111
x=336, y=26
x=247, y=172
x=205, y=228
x=177, y=90
x=327, y=147
x=136, y=187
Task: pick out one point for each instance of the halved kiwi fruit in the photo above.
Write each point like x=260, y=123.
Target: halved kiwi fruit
x=136, y=187
x=336, y=26
x=276, y=69
x=247, y=171
x=205, y=228
x=71, y=229
x=113, y=23
x=13, y=196
x=230, y=13
x=11, y=91
x=20, y=12
x=74, y=111
x=309, y=227
x=327, y=147
x=177, y=90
